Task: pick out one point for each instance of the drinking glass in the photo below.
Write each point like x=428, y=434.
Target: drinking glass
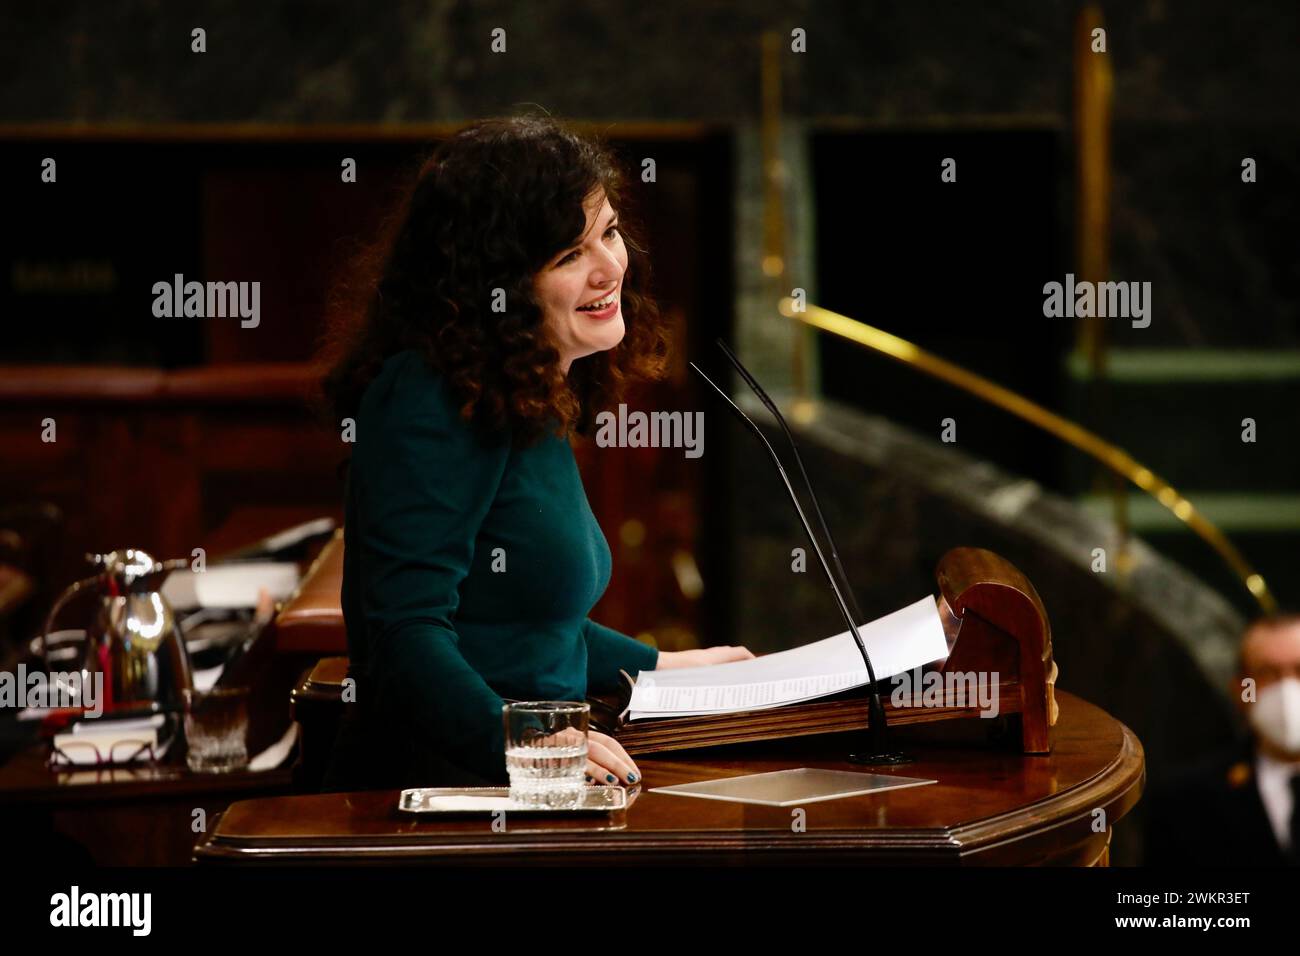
x=216, y=729
x=546, y=751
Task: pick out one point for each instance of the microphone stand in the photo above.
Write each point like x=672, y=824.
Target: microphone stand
x=878, y=752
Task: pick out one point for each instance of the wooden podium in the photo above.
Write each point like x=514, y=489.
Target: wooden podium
x=1048, y=792
x=995, y=624
x=989, y=807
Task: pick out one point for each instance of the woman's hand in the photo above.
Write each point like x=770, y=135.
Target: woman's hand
x=702, y=657
x=607, y=762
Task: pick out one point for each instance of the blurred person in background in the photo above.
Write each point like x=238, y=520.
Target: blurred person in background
x=1242, y=808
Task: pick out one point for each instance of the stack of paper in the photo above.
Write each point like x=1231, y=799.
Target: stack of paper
x=232, y=585
x=898, y=642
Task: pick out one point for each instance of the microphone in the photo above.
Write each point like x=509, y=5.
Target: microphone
x=878, y=752
x=812, y=495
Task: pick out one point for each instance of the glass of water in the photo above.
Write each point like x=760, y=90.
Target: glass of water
x=216, y=729
x=546, y=752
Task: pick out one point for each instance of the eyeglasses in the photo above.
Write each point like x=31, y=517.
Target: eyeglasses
x=73, y=754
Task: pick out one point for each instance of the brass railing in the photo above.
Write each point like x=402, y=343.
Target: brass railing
x=1113, y=457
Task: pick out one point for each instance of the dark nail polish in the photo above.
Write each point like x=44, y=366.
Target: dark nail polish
x=610, y=778
x=631, y=778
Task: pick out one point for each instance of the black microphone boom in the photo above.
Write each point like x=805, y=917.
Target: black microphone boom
x=879, y=752
x=807, y=482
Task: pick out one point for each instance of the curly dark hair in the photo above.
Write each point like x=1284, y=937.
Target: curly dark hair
x=489, y=208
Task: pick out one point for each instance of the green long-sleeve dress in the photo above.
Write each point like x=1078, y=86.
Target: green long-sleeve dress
x=469, y=570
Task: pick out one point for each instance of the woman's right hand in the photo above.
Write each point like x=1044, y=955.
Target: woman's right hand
x=702, y=657
x=607, y=759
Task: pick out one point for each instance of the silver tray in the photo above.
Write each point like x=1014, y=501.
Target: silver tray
x=484, y=801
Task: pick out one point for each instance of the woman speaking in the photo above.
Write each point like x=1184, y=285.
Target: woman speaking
x=509, y=309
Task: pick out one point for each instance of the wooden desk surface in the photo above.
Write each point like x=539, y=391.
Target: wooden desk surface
x=988, y=807
x=26, y=779
x=120, y=816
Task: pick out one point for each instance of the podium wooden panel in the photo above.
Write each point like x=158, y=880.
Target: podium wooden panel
x=989, y=807
x=995, y=626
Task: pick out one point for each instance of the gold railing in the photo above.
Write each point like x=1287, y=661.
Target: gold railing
x=1113, y=457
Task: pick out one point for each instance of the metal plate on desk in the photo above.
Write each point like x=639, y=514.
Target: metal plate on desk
x=486, y=800
x=788, y=788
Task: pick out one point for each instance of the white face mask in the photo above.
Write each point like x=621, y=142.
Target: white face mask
x=1275, y=715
